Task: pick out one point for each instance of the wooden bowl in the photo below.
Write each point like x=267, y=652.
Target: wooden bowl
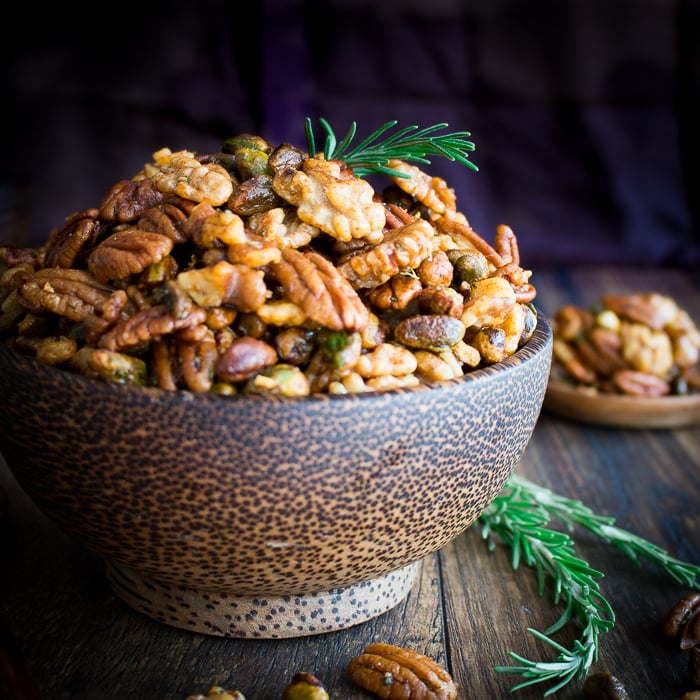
x=266, y=517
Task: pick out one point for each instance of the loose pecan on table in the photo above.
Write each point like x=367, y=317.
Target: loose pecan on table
x=395, y=673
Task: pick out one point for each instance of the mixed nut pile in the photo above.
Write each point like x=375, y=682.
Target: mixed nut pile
x=640, y=344
x=266, y=270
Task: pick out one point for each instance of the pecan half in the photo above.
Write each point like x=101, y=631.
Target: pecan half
x=629, y=381
x=128, y=199
x=70, y=293
x=315, y=285
x=167, y=219
x=65, y=245
x=149, y=324
x=395, y=673
x=126, y=253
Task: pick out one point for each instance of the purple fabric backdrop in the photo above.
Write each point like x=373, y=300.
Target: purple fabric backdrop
x=583, y=111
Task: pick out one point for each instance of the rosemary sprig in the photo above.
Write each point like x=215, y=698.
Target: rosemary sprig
x=520, y=516
x=408, y=144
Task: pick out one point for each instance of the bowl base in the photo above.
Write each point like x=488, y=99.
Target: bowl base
x=275, y=617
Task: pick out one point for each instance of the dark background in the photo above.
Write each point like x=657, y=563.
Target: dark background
x=584, y=112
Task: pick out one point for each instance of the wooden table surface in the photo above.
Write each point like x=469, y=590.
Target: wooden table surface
x=66, y=636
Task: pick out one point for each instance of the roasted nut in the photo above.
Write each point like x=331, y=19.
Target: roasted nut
x=67, y=292
x=680, y=614
x=315, y=285
x=491, y=344
x=279, y=380
x=148, y=324
x=243, y=358
x=436, y=271
x=441, y=300
x=395, y=673
x=330, y=197
x=224, y=283
x=401, y=248
x=304, y=686
x=386, y=359
x=429, y=331
x=395, y=294
x=127, y=252
x=431, y=191
x=126, y=200
x=111, y=366
x=604, y=686
x=629, y=381
x=167, y=218
x=571, y=322
x=67, y=243
x=182, y=174
x=490, y=302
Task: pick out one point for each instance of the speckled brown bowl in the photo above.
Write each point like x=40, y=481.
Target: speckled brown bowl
x=246, y=516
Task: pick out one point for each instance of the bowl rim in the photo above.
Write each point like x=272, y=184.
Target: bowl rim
x=541, y=338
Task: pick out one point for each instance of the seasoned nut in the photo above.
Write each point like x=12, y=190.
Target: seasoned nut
x=55, y=351
x=197, y=358
x=441, y=300
x=181, y=174
x=429, y=331
x=604, y=686
x=294, y=345
x=431, y=191
x=66, y=244
x=127, y=252
x=331, y=198
x=490, y=302
x=402, y=248
x=640, y=383
x=167, y=219
x=386, y=359
x=244, y=357
x=680, y=614
x=491, y=344
x=314, y=284
x=111, y=366
x=395, y=294
x=148, y=324
x=395, y=673
x=279, y=380
x=224, y=283
x=470, y=266
x=71, y=293
x=640, y=308
x=571, y=322
x=304, y=686
x=126, y=200
x=436, y=271
x=432, y=367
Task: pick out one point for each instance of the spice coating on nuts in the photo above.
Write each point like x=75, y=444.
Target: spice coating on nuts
x=196, y=252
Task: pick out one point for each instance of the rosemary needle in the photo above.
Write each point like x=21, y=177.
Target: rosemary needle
x=520, y=516
x=410, y=143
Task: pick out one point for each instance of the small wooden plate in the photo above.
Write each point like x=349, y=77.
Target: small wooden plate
x=618, y=411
